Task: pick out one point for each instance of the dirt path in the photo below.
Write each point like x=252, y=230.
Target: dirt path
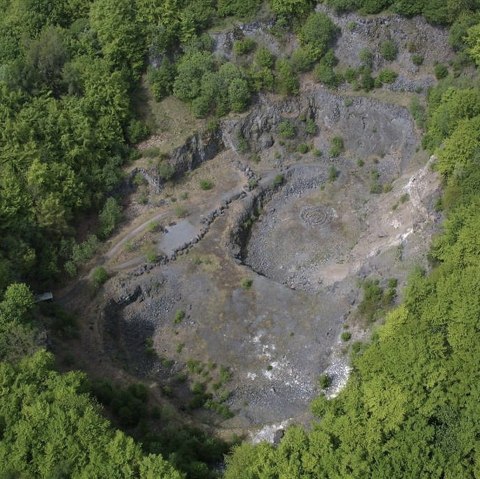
x=139, y=229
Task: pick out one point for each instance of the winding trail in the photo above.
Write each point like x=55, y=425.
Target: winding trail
x=139, y=229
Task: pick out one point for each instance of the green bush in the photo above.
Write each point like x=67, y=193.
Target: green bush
x=264, y=58
x=302, y=60
x=303, y=148
x=246, y=283
x=441, y=71
x=278, y=180
x=286, y=79
x=324, y=381
x=110, y=216
x=332, y=173
x=366, y=81
x=417, y=59
x=317, y=33
x=289, y=8
x=165, y=170
x=418, y=112
x=346, y=336
x=238, y=94
x=337, y=146
x=206, y=184
x=99, y=276
x=351, y=74
x=310, y=127
x=286, y=129
x=161, y=79
x=190, y=70
x=387, y=76
x=238, y=8
x=389, y=50
x=326, y=74
x=244, y=47
x=366, y=57
x=151, y=255
x=179, y=316
x=375, y=186
x=181, y=211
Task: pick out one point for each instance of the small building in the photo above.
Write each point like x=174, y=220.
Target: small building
x=39, y=298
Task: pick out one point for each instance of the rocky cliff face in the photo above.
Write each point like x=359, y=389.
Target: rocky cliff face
x=368, y=126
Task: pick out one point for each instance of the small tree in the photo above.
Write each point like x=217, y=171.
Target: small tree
x=238, y=94
x=389, y=50
x=109, y=217
x=99, y=276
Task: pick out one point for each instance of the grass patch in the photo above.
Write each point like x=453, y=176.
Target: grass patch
x=287, y=130
x=180, y=211
x=337, y=146
x=278, y=180
x=324, y=381
x=346, y=336
x=206, y=185
x=179, y=316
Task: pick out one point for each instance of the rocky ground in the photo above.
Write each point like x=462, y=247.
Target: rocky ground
x=255, y=280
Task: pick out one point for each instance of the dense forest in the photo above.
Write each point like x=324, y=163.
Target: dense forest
x=68, y=75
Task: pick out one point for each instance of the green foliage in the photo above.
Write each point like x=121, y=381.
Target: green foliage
x=458, y=31
x=179, y=316
x=161, y=79
x=286, y=129
x=337, y=146
x=17, y=335
x=291, y=7
x=286, y=78
x=346, y=336
x=190, y=70
x=264, y=58
x=208, y=89
x=389, y=50
x=366, y=81
x=366, y=57
x=99, y=276
x=110, y=216
x=165, y=170
x=238, y=94
x=375, y=186
x=278, y=180
x=332, y=173
x=461, y=147
x=387, y=76
x=206, y=184
x=246, y=283
x=181, y=211
x=118, y=29
x=244, y=47
x=81, y=253
x=317, y=33
x=441, y=71
x=310, y=127
x=303, y=148
x=418, y=112
x=238, y=8
x=326, y=74
x=44, y=411
x=302, y=60
x=455, y=105
x=417, y=59
x=324, y=381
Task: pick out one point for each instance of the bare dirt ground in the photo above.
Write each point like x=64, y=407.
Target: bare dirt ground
x=253, y=319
